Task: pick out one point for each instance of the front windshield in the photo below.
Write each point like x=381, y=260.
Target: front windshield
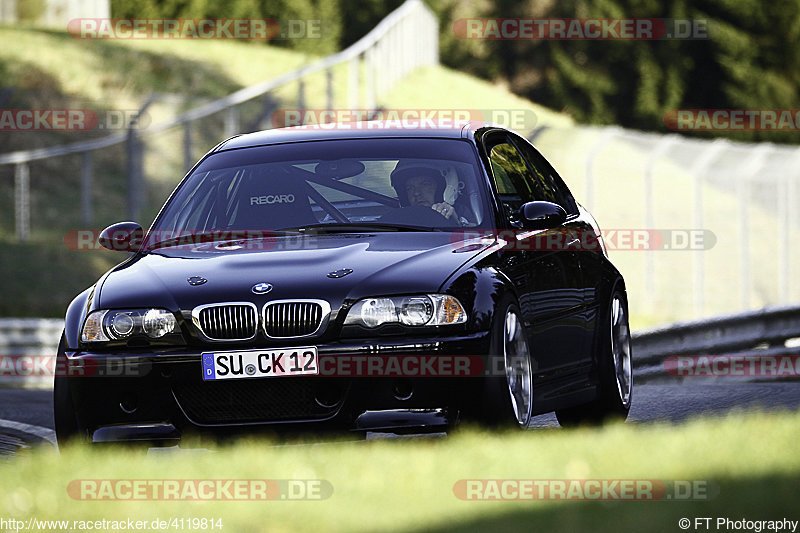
x=346, y=185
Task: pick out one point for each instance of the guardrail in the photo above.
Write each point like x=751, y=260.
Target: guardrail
x=407, y=38
x=769, y=331
x=29, y=343
x=29, y=336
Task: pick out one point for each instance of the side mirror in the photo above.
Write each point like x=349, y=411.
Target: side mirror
x=122, y=237
x=542, y=215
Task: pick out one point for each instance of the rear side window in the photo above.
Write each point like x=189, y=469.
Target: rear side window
x=547, y=184
x=512, y=178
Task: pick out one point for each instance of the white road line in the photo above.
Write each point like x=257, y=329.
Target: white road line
x=39, y=431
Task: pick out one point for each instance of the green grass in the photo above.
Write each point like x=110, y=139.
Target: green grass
x=750, y=463
x=443, y=88
x=121, y=72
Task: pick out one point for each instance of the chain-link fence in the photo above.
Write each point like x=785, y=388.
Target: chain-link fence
x=721, y=217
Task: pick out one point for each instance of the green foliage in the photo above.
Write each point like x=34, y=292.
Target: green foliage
x=144, y=9
x=31, y=9
x=362, y=15
x=751, y=60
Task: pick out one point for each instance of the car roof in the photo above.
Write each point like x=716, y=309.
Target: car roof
x=356, y=130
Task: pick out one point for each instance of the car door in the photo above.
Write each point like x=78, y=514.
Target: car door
x=544, y=271
x=576, y=250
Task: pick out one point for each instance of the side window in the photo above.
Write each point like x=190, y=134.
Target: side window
x=512, y=178
x=547, y=183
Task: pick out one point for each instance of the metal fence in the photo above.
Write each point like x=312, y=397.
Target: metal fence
x=53, y=13
x=151, y=157
x=742, y=198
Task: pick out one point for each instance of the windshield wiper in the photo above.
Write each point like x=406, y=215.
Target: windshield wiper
x=355, y=227
x=217, y=235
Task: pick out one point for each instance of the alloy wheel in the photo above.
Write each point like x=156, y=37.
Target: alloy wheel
x=518, y=368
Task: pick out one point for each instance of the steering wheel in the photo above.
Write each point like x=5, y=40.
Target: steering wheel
x=418, y=215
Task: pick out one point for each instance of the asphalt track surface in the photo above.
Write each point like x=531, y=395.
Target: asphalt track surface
x=26, y=416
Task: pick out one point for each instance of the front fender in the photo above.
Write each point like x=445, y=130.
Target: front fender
x=76, y=312
x=479, y=289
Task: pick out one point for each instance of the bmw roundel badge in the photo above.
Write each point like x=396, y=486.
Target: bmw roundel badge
x=261, y=288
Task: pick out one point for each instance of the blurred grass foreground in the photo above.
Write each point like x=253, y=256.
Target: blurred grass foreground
x=742, y=466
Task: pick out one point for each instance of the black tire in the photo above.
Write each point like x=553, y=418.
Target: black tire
x=66, y=424
x=509, y=356
x=614, y=370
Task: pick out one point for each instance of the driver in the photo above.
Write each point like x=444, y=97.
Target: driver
x=423, y=186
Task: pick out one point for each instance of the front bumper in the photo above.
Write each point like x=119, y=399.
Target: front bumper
x=162, y=396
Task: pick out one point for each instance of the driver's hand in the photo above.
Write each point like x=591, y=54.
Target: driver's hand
x=446, y=210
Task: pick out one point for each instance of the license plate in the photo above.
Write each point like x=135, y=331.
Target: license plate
x=260, y=363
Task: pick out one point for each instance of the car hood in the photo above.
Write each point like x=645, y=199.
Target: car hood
x=307, y=266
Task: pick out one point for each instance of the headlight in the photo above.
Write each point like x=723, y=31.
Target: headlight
x=415, y=310
x=424, y=310
x=158, y=322
x=93, y=328
x=376, y=311
x=123, y=324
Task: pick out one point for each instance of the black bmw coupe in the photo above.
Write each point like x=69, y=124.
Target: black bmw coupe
x=350, y=277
